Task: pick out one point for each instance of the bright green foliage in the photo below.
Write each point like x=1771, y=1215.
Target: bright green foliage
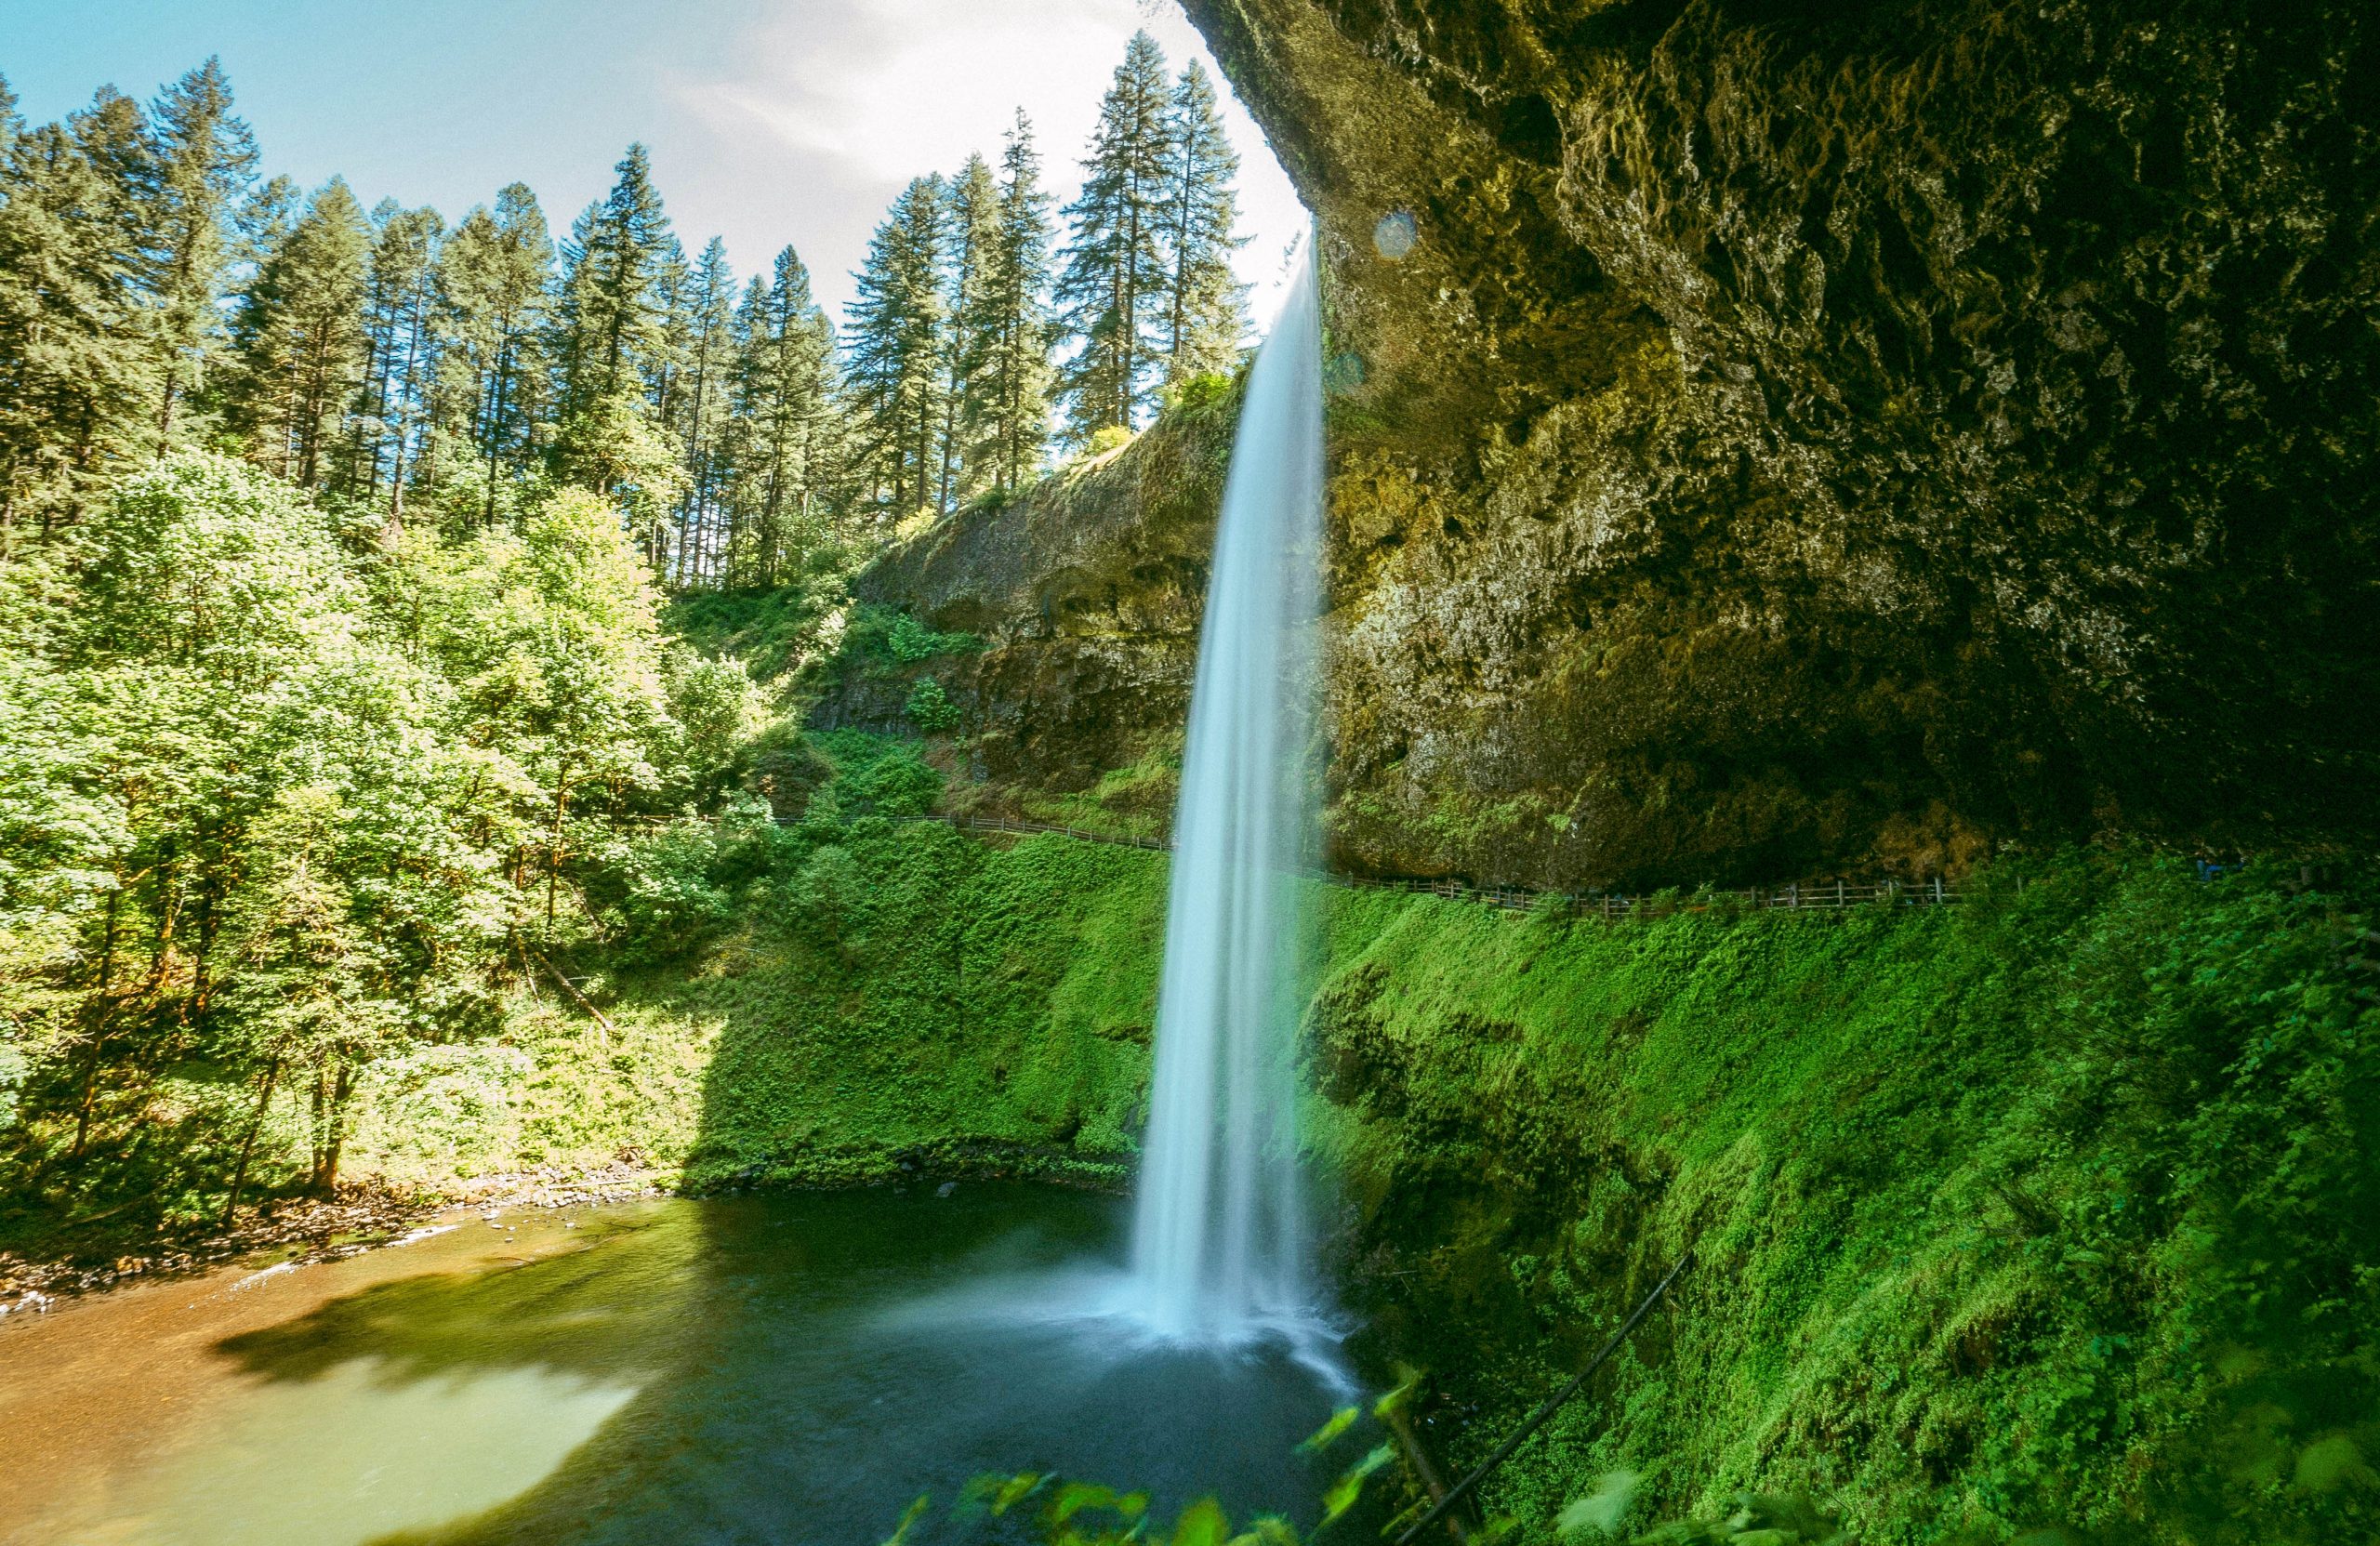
x=772, y=633
x=930, y=708
x=1064, y=1512
x=2057, y=1191
x=288, y=802
x=909, y=641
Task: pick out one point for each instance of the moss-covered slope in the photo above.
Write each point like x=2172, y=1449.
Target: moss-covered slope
x=2050, y=1210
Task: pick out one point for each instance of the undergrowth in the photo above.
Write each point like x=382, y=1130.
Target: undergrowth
x=2052, y=1211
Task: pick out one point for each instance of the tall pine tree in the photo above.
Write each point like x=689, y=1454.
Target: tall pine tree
x=974, y=245
x=787, y=408
x=76, y=368
x=493, y=279
x=202, y=162
x=613, y=350
x=703, y=325
x=1007, y=363
x=391, y=411
x=610, y=324
x=1112, y=289
x=1206, y=309
x=300, y=338
x=896, y=363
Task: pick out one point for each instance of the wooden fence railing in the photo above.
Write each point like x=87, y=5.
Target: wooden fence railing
x=1801, y=896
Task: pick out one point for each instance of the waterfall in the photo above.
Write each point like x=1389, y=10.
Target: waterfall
x=1218, y=1243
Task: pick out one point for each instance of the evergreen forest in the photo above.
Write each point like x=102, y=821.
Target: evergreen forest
x=338, y=549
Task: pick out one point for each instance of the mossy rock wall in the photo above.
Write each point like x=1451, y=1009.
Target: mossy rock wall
x=1085, y=592
x=1800, y=439
x=1804, y=433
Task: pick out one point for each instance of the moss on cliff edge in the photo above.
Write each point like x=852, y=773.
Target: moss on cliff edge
x=2050, y=1211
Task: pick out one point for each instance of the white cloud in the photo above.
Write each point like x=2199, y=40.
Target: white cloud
x=829, y=106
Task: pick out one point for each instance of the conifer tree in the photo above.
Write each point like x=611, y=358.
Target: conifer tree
x=611, y=318
x=1007, y=365
x=492, y=277
x=896, y=361
x=785, y=403
x=1205, y=303
x=202, y=162
x=974, y=243
x=75, y=366
x=704, y=323
x=299, y=337
x=392, y=400
x=738, y=522
x=1111, y=288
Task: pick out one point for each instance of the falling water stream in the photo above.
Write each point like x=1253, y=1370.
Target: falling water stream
x=1218, y=1249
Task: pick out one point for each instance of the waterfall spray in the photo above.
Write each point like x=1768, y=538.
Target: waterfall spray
x=1218, y=1242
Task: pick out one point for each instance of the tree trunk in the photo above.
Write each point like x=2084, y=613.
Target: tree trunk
x=90, y=1092
x=333, y=1129
x=554, y=850
x=249, y=1145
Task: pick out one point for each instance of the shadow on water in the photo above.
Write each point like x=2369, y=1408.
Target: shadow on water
x=787, y=1370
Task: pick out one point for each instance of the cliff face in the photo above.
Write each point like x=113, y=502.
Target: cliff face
x=1801, y=436
x=1086, y=594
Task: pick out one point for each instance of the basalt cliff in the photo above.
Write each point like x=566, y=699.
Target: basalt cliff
x=1773, y=439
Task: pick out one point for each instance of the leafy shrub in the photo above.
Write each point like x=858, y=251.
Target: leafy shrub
x=668, y=900
x=899, y=785
x=1199, y=392
x=930, y=708
x=1112, y=438
x=827, y=895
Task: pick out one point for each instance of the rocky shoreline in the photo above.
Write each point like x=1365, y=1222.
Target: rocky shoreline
x=309, y=1230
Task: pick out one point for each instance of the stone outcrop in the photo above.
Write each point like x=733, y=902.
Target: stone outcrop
x=1794, y=437
x=1086, y=595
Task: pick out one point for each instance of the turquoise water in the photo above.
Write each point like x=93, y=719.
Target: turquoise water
x=778, y=1369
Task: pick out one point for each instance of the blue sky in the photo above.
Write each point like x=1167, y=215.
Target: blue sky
x=787, y=121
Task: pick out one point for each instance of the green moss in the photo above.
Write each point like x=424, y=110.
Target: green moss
x=1132, y=801
x=1993, y=1203
x=2051, y=1209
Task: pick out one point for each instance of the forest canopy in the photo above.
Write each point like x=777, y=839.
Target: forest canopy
x=335, y=545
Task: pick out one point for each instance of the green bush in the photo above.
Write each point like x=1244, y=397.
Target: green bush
x=930, y=708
